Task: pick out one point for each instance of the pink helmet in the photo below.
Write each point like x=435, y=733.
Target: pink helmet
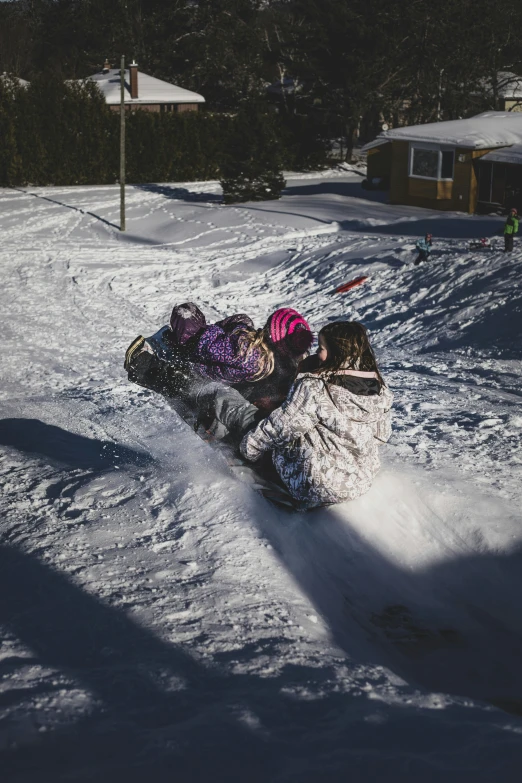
x=288, y=328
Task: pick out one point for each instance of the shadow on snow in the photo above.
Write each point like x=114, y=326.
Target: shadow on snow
x=66, y=448
x=157, y=711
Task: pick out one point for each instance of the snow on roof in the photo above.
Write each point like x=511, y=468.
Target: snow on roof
x=7, y=76
x=375, y=143
x=490, y=129
x=150, y=89
x=511, y=154
x=509, y=85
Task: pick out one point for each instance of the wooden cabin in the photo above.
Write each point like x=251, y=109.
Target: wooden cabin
x=452, y=165
x=144, y=92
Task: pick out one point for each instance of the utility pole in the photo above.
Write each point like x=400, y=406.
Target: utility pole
x=122, y=145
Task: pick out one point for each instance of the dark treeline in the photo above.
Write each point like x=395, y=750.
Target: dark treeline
x=349, y=65
x=352, y=57
x=55, y=132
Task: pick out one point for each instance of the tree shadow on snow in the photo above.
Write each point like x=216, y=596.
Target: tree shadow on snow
x=451, y=627
x=444, y=227
x=348, y=189
x=67, y=448
x=157, y=712
x=181, y=194
x=150, y=699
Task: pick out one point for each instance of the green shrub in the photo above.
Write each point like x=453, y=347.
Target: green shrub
x=252, y=163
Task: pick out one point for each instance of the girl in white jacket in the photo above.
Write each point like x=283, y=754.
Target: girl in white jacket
x=324, y=438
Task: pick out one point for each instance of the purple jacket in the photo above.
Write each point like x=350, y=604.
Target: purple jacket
x=219, y=355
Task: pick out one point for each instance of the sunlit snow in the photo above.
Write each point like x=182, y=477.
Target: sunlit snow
x=162, y=621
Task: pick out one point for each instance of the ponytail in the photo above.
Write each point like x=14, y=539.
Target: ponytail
x=251, y=340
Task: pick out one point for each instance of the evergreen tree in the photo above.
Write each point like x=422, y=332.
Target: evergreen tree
x=10, y=160
x=355, y=65
x=252, y=163
x=16, y=41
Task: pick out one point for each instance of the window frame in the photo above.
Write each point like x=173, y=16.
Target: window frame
x=439, y=149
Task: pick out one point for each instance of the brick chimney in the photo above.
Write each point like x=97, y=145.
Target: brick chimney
x=133, y=71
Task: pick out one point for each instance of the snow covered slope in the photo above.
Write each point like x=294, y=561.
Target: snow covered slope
x=160, y=619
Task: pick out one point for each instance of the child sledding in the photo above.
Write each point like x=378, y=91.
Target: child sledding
x=324, y=438
x=261, y=363
x=320, y=420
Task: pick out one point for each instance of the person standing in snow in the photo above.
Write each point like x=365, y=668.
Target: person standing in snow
x=424, y=248
x=324, y=438
x=510, y=229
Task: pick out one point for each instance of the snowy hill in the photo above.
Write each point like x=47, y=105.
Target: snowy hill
x=161, y=619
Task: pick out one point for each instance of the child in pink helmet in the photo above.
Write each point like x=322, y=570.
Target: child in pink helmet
x=259, y=367
x=232, y=350
x=194, y=360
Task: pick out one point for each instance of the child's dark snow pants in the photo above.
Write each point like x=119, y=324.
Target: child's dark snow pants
x=227, y=405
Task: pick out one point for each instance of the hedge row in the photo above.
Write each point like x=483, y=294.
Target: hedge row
x=55, y=133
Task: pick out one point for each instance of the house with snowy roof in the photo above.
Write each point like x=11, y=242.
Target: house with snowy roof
x=7, y=77
x=505, y=90
x=144, y=92
x=465, y=165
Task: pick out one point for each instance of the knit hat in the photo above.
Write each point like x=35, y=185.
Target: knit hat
x=186, y=321
x=288, y=329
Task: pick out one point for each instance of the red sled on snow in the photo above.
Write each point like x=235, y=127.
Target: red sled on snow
x=352, y=284
x=481, y=244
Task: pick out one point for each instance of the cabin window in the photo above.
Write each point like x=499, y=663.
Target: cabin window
x=446, y=165
x=425, y=163
x=431, y=162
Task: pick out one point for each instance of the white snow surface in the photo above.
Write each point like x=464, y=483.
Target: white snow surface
x=159, y=619
x=489, y=129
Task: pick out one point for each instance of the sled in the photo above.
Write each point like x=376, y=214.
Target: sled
x=260, y=476
x=342, y=289
x=132, y=351
x=253, y=475
x=484, y=243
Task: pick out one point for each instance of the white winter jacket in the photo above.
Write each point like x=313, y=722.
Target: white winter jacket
x=324, y=440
